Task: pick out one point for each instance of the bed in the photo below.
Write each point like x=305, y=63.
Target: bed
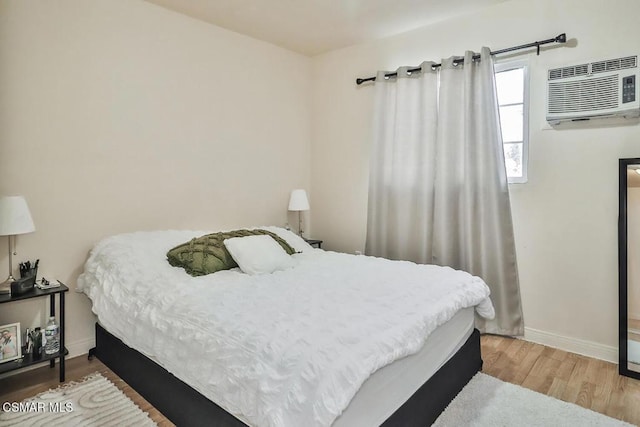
x=334, y=339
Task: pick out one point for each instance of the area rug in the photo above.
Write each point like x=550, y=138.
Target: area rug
x=487, y=401
x=93, y=401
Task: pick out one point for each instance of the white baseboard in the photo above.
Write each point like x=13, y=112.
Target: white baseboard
x=573, y=345
x=77, y=348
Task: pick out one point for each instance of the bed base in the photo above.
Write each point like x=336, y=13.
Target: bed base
x=185, y=406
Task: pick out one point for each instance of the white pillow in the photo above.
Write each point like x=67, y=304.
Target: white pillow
x=258, y=254
x=296, y=242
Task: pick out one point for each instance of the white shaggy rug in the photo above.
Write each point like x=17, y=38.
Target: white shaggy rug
x=94, y=401
x=489, y=402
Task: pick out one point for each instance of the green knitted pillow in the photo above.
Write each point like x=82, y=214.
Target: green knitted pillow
x=207, y=254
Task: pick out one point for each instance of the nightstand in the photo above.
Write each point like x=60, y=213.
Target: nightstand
x=314, y=242
x=28, y=359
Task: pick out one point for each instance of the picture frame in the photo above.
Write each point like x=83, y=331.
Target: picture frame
x=10, y=342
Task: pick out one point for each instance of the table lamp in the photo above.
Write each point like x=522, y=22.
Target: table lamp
x=15, y=219
x=299, y=202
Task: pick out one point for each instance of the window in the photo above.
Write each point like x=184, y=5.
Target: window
x=512, y=84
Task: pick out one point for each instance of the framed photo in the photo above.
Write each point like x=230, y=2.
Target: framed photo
x=10, y=342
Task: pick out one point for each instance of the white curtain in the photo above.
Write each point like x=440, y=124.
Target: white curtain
x=438, y=190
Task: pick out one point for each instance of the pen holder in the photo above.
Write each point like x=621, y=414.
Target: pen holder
x=28, y=273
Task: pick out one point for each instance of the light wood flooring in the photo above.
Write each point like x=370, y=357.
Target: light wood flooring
x=588, y=382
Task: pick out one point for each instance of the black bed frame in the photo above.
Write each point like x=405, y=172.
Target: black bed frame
x=184, y=406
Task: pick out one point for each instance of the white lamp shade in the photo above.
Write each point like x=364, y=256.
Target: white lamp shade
x=15, y=217
x=298, y=201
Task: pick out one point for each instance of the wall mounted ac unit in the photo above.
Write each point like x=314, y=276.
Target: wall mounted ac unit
x=593, y=90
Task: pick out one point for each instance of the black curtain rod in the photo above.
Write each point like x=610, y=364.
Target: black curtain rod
x=562, y=38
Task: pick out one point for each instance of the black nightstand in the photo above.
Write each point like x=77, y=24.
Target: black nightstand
x=314, y=242
x=27, y=359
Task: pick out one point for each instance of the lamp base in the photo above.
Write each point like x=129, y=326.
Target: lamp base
x=5, y=287
x=300, y=231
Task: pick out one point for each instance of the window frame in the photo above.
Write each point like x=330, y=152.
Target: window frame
x=509, y=65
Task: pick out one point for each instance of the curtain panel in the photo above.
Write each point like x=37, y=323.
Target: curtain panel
x=438, y=190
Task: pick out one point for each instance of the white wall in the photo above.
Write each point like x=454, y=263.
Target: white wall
x=118, y=115
x=565, y=217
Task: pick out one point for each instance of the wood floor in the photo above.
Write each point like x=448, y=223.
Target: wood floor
x=588, y=382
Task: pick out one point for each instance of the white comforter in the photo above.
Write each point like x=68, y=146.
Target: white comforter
x=284, y=349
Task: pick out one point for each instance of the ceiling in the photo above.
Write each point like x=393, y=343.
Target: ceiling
x=312, y=27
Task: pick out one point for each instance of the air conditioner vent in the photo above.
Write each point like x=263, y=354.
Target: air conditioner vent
x=566, y=72
x=585, y=95
x=614, y=64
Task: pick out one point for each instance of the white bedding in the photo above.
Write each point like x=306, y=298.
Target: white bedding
x=390, y=387
x=284, y=349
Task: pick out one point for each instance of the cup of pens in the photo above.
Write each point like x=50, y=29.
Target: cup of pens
x=28, y=269
x=28, y=274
